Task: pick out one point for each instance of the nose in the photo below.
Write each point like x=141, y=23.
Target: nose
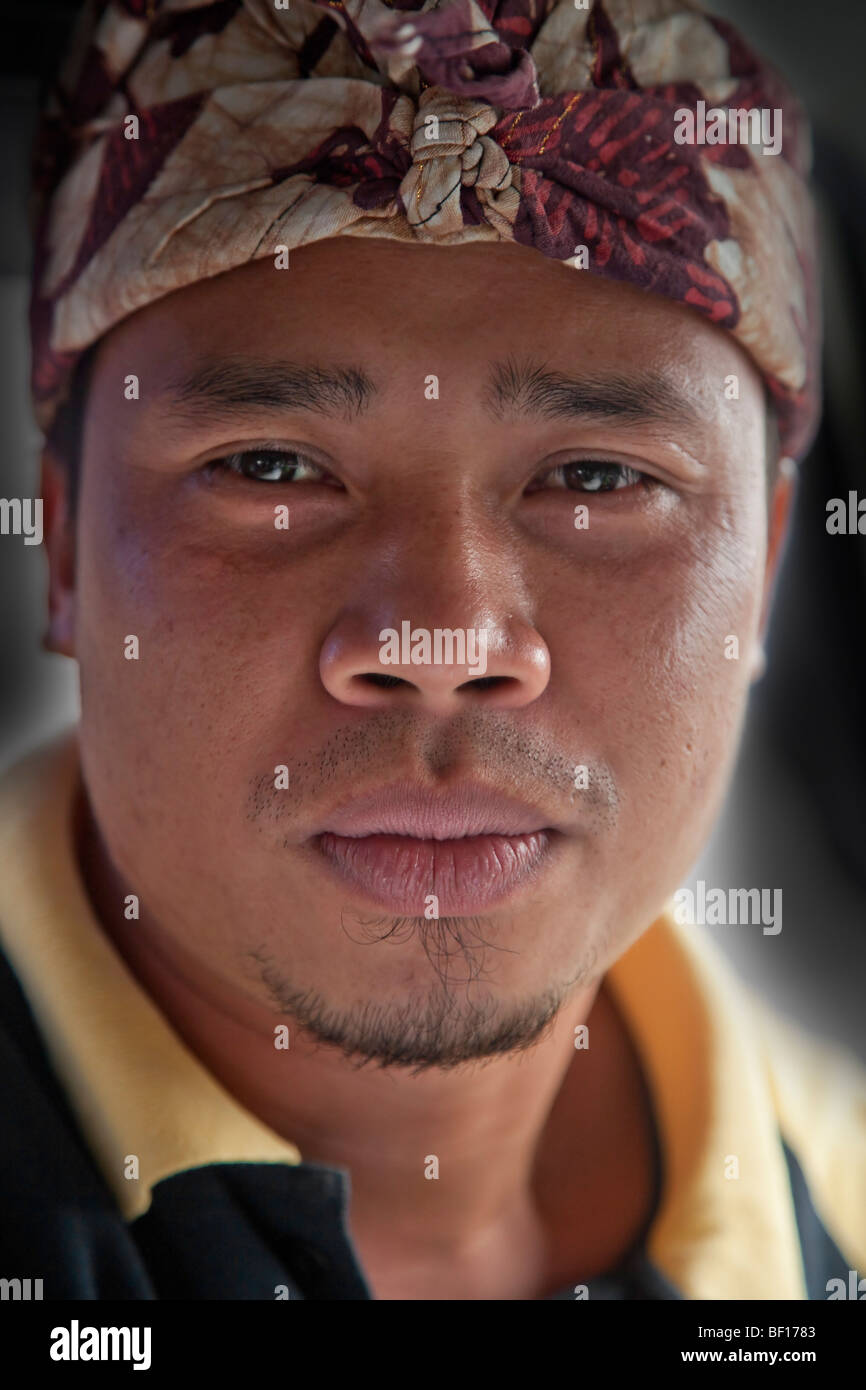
x=425, y=631
x=440, y=669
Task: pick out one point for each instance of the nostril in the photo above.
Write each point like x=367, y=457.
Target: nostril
x=485, y=682
x=382, y=681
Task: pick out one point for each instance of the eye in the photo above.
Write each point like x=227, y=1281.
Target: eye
x=268, y=465
x=593, y=475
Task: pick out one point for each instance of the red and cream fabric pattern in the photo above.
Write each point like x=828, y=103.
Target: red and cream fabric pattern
x=186, y=137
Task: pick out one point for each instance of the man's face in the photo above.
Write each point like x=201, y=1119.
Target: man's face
x=621, y=645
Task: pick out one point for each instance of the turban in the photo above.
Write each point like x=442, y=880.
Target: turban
x=183, y=138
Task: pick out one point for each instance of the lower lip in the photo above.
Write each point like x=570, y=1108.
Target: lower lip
x=400, y=873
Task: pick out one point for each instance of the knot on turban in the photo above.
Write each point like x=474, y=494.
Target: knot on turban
x=186, y=137
x=450, y=149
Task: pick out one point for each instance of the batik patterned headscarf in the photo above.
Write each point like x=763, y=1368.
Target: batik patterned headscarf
x=267, y=123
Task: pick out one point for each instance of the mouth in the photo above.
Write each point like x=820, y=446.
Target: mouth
x=424, y=854
x=432, y=878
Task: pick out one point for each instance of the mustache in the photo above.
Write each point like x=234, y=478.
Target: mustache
x=490, y=745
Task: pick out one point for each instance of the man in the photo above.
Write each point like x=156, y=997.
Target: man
x=340, y=955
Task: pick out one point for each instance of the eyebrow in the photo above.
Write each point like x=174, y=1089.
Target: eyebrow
x=517, y=389
x=228, y=388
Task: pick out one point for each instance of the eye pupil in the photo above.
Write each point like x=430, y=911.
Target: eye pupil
x=263, y=463
x=595, y=477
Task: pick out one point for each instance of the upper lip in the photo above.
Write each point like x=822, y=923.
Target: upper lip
x=404, y=808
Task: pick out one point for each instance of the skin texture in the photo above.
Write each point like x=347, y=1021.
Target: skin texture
x=255, y=644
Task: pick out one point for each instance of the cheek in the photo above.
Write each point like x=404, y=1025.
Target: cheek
x=220, y=631
x=697, y=640
x=694, y=653
x=652, y=682
x=654, y=653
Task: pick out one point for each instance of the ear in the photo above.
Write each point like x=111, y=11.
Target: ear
x=59, y=541
x=781, y=510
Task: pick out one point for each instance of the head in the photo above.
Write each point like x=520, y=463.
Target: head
x=513, y=379
x=625, y=646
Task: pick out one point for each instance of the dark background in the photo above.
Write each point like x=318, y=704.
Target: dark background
x=796, y=815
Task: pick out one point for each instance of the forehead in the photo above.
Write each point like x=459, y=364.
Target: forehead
x=403, y=308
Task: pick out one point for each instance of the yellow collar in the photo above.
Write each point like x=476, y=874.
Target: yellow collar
x=136, y=1088
x=726, y=1227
